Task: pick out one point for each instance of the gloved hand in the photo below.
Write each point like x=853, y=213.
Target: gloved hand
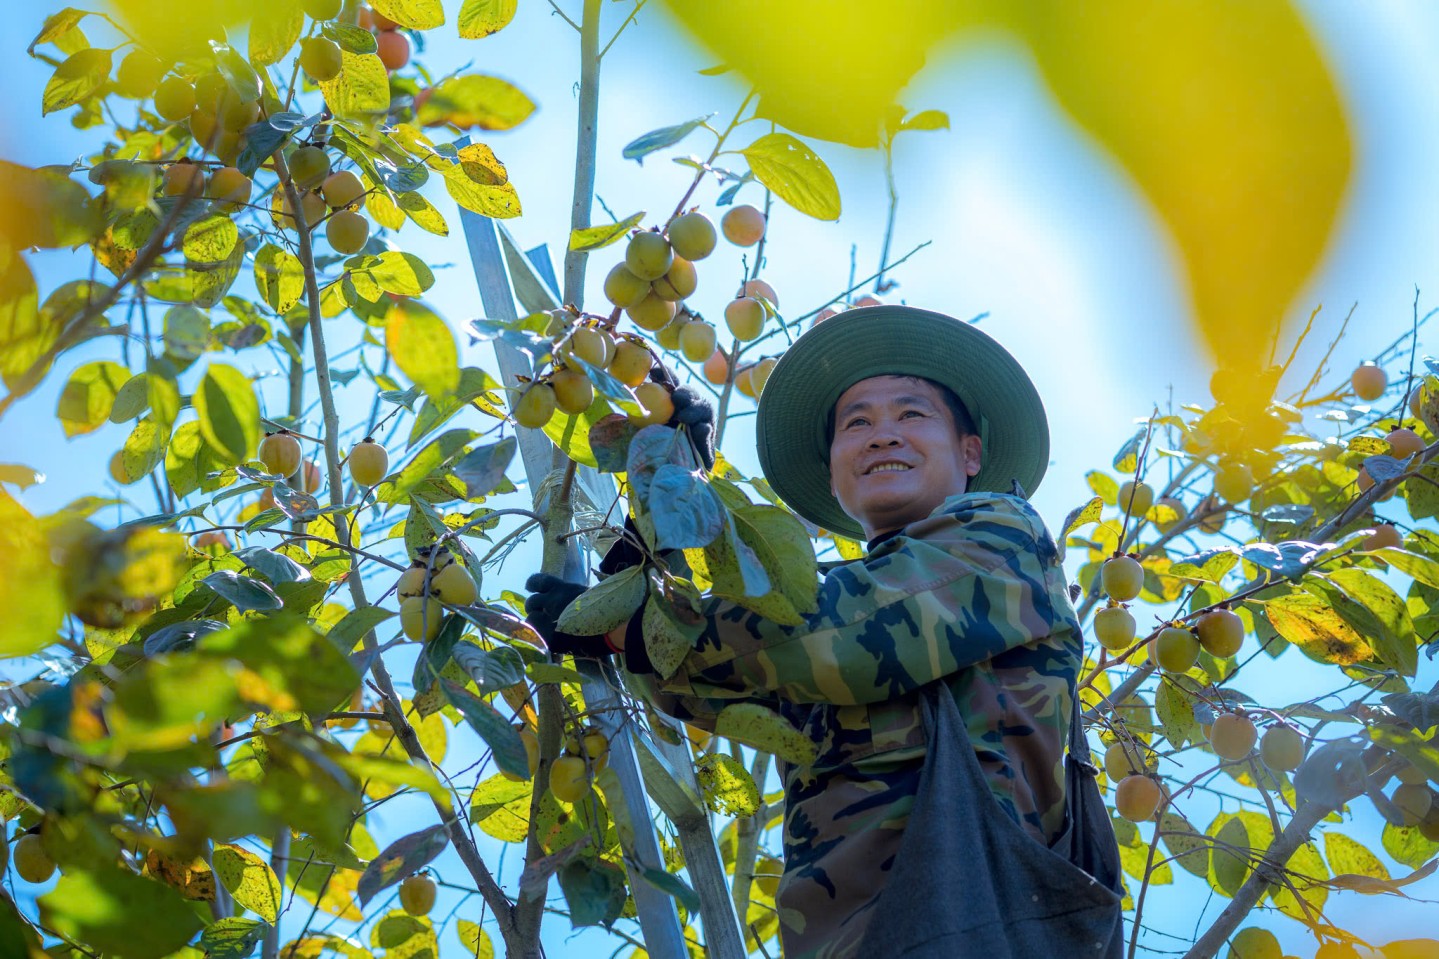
x=697, y=416
x=692, y=411
x=549, y=595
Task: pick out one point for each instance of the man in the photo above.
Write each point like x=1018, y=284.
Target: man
x=910, y=430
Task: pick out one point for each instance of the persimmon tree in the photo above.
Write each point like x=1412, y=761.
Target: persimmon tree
x=318, y=599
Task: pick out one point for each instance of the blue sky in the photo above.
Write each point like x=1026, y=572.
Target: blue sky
x=1029, y=222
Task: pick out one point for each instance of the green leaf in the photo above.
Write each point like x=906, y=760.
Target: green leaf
x=483, y=469
x=764, y=729
x=119, y=913
x=29, y=583
x=595, y=890
x=247, y=593
x=403, y=857
x=438, y=453
x=475, y=100
x=795, y=174
x=501, y=808
x=229, y=413
x=1414, y=565
x=1241, y=837
x=1104, y=486
x=189, y=459
x=1089, y=512
x=727, y=786
x=606, y=605
x=232, y=937
x=279, y=277
x=250, y=880
x=131, y=399
x=403, y=936
x=667, y=641
x=1393, y=641
x=423, y=213
x=491, y=669
x=144, y=448
x=598, y=237
x=1254, y=943
x=572, y=433
x=480, y=18
x=502, y=738
x=273, y=34
x=76, y=79
x=211, y=239
x=686, y=512
x=186, y=334
x=352, y=38
x=784, y=550
x=89, y=395
x=642, y=146
x=361, y=89
x=414, y=14
x=423, y=348
x=926, y=120
x=1175, y=710
x=1185, y=843
x=356, y=623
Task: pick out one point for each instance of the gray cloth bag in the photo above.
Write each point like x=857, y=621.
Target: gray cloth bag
x=968, y=881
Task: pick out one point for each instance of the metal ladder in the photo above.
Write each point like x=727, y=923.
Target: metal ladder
x=647, y=768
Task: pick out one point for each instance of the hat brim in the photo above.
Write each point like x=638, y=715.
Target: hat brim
x=812, y=374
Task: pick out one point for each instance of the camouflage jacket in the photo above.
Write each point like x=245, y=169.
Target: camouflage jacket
x=974, y=594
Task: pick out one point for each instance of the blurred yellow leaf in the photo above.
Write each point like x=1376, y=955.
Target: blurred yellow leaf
x=29, y=583
x=1224, y=114
x=1228, y=119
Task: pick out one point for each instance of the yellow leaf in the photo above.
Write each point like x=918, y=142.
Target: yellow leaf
x=361, y=88
x=249, y=879
x=1226, y=116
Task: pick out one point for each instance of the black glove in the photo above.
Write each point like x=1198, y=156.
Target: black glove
x=625, y=552
x=549, y=595
x=697, y=416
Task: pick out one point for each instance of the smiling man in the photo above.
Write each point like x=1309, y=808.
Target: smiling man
x=937, y=677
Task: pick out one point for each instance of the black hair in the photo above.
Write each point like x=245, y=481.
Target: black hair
x=963, y=422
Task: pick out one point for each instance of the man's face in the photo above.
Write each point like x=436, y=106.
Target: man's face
x=895, y=455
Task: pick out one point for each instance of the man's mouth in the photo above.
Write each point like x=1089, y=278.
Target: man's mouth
x=886, y=468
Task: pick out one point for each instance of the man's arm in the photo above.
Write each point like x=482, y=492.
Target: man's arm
x=956, y=589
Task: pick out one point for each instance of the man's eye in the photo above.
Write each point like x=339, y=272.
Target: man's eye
x=857, y=421
x=910, y=412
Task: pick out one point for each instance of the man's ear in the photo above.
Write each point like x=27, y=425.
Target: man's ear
x=972, y=451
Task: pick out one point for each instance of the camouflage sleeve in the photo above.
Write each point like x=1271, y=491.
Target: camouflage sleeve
x=975, y=579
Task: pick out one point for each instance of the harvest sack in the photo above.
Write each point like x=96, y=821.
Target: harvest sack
x=969, y=882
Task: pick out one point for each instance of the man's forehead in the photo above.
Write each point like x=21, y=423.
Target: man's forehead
x=888, y=386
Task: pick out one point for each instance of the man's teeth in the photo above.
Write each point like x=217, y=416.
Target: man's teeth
x=882, y=467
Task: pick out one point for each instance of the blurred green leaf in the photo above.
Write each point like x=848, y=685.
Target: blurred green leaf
x=119, y=913
x=423, y=348
x=229, y=413
x=361, y=89
x=88, y=396
x=279, y=277
x=29, y=583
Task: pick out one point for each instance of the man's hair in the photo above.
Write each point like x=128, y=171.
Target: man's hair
x=963, y=422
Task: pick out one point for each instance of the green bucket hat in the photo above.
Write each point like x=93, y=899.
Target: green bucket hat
x=799, y=397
